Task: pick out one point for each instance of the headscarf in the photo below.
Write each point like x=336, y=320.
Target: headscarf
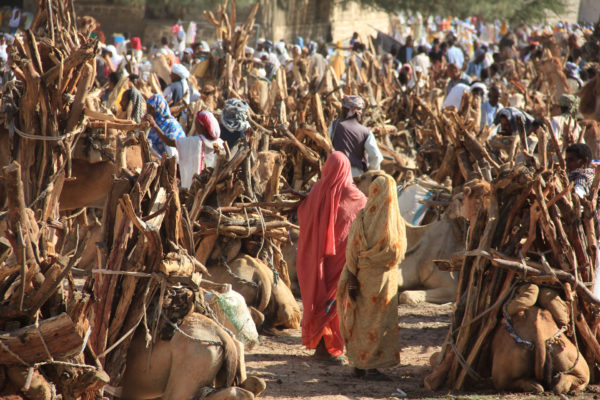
x=204, y=47
x=167, y=123
x=299, y=41
x=115, y=58
x=354, y=104
x=282, y=55
x=479, y=85
x=312, y=47
x=325, y=217
x=514, y=115
x=569, y=101
x=382, y=226
x=235, y=115
x=180, y=71
x=184, y=74
x=136, y=43
x=136, y=104
x=572, y=71
x=175, y=28
x=210, y=124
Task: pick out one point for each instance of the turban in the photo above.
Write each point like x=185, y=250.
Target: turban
x=235, y=115
x=208, y=121
x=354, y=104
x=570, y=102
x=180, y=71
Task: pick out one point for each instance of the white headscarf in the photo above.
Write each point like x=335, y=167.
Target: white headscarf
x=184, y=74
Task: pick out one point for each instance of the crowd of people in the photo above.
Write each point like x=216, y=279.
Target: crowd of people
x=349, y=245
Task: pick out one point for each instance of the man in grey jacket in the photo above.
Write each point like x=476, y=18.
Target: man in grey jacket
x=353, y=139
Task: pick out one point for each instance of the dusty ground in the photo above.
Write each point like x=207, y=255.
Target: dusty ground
x=291, y=374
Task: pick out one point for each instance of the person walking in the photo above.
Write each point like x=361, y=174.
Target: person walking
x=325, y=217
x=367, y=300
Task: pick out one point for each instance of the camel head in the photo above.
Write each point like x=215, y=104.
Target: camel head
x=364, y=181
x=589, y=105
x=475, y=196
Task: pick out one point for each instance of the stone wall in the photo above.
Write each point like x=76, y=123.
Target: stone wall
x=114, y=19
x=320, y=20
x=354, y=18
x=589, y=11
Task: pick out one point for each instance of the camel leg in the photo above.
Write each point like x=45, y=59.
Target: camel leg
x=407, y=278
x=527, y=385
x=242, y=361
x=567, y=383
x=231, y=393
x=436, y=296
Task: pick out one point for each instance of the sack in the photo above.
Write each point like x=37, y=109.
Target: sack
x=231, y=310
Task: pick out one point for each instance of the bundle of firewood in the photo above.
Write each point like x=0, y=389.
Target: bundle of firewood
x=531, y=229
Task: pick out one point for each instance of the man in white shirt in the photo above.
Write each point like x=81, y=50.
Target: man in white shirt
x=455, y=55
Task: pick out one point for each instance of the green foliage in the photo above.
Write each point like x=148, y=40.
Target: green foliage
x=177, y=9
x=515, y=11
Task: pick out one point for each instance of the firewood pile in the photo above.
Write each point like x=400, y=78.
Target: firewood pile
x=60, y=334
x=57, y=337
x=530, y=229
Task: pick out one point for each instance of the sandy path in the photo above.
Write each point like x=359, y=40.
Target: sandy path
x=291, y=374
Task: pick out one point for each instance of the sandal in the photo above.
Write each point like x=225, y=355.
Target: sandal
x=336, y=360
x=375, y=375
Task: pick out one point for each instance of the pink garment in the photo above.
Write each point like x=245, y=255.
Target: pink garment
x=325, y=218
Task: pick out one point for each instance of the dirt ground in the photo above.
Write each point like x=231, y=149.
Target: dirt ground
x=291, y=374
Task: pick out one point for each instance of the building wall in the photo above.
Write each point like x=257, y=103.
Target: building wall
x=114, y=19
x=354, y=18
x=589, y=11
x=320, y=20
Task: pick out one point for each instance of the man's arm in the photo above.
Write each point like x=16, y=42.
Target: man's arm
x=374, y=156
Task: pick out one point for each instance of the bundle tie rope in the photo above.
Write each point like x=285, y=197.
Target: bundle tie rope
x=40, y=137
x=196, y=339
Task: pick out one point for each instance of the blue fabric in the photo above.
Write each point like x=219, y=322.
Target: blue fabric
x=474, y=69
x=167, y=123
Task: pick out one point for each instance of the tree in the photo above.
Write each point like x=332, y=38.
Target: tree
x=514, y=11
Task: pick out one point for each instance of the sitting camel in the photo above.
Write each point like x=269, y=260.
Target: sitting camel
x=529, y=350
x=254, y=280
x=199, y=356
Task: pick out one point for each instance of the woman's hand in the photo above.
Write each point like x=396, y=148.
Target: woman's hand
x=150, y=120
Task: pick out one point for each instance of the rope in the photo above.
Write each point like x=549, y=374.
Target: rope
x=39, y=364
x=37, y=329
x=472, y=373
x=552, y=340
x=40, y=137
x=237, y=277
x=196, y=339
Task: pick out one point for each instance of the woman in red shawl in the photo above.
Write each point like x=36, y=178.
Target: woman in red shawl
x=325, y=218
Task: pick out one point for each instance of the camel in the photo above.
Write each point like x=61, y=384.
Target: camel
x=199, y=356
x=252, y=279
x=544, y=356
x=589, y=105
